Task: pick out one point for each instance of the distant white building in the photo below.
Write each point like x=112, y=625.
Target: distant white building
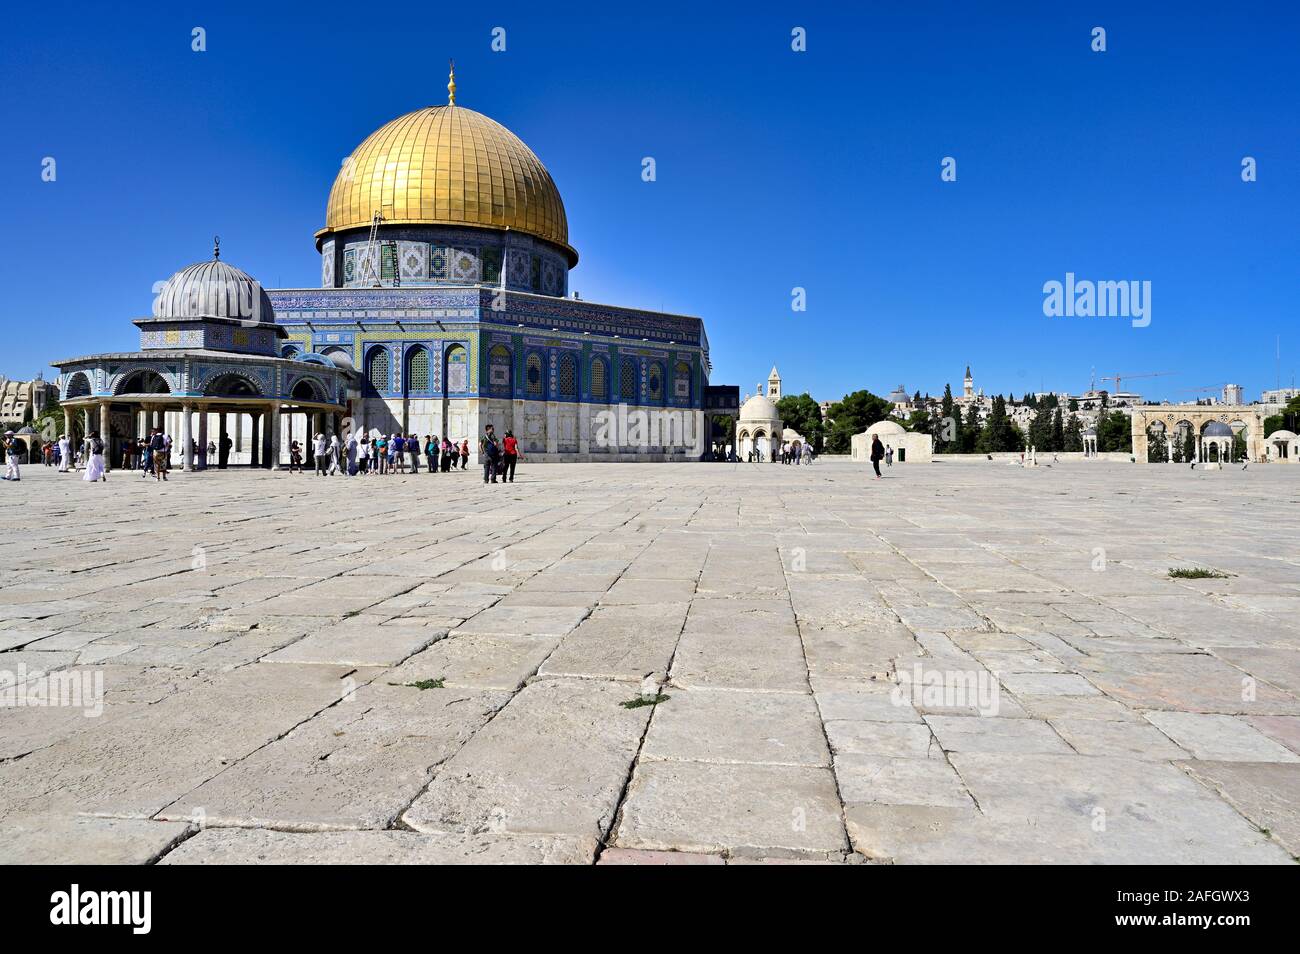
x=1234, y=394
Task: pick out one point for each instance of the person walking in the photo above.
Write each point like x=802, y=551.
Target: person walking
x=509, y=457
x=877, y=452
x=464, y=454
x=446, y=455
x=321, y=452
x=363, y=454
x=13, y=448
x=431, y=452
x=351, y=449
x=157, y=455
x=335, y=455
x=413, y=448
x=889, y=455
x=490, y=451
x=65, y=453
x=295, y=457
x=96, y=470
x=381, y=454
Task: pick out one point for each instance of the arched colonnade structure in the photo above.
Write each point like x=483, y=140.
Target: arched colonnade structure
x=209, y=369
x=1214, y=427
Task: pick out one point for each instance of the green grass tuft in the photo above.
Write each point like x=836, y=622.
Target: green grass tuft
x=638, y=702
x=422, y=684
x=1196, y=573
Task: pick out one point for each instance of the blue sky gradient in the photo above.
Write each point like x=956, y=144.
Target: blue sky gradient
x=775, y=169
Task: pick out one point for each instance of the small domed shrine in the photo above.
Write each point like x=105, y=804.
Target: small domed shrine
x=209, y=358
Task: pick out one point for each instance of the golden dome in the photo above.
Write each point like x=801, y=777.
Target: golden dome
x=447, y=165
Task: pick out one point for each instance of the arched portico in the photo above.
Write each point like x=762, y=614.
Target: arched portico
x=1180, y=419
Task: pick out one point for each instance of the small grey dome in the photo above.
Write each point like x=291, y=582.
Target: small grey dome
x=1217, y=429
x=213, y=289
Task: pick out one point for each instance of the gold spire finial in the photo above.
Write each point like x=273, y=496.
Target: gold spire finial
x=451, y=82
x=216, y=248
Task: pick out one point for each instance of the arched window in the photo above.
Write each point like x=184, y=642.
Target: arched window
x=417, y=370
x=456, y=378
x=655, y=383
x=500, y=371
x=682, y=382
x=599, y=386
x=534, y=382
x=290, y=351
x=627, y=381
x=377, y=370
x=568, y=376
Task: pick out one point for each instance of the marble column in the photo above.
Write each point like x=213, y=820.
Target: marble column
x=203, y=462
x=275, y=436
x=254, y=444
x=187, y=453
x=67, y=424
x=106, y=435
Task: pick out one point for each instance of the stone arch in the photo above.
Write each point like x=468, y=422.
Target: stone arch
x=309, y=389
x=77, y=385
x=232, y=384
x=141, y=381
x=291, y=351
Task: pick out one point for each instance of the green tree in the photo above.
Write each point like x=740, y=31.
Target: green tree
x=999, y=433
x=801, y=413
x=970, y=431
x=1072, y=440
x=853, y=415
x=945, y=430
x=1157, y=448
x=1114, y=432
x=1058, y=429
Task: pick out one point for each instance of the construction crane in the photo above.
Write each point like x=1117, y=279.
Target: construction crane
x=1145, y=374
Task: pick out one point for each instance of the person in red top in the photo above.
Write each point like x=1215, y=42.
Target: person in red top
x=509, y=457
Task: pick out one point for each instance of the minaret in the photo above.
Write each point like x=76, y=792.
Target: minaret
x=774, y=385
x=968, y=385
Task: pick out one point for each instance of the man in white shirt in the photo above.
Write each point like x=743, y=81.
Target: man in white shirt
x=321, y=450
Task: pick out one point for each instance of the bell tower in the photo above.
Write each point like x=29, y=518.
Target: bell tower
x=774, y=385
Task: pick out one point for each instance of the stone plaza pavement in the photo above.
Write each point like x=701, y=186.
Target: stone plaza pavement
x=422, y=669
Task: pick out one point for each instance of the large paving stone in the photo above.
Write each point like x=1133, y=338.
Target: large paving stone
x=356, y=642
x=154, y=756
x=554, y=760
x=724, y=726
x=52, y=839
x=1268, y=793
x=1220, y=737
x=237, y=846
x=478, y=661
x=356, y=765
x=705, y=807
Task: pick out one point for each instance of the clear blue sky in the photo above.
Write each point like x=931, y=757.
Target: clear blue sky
x=775, y=169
